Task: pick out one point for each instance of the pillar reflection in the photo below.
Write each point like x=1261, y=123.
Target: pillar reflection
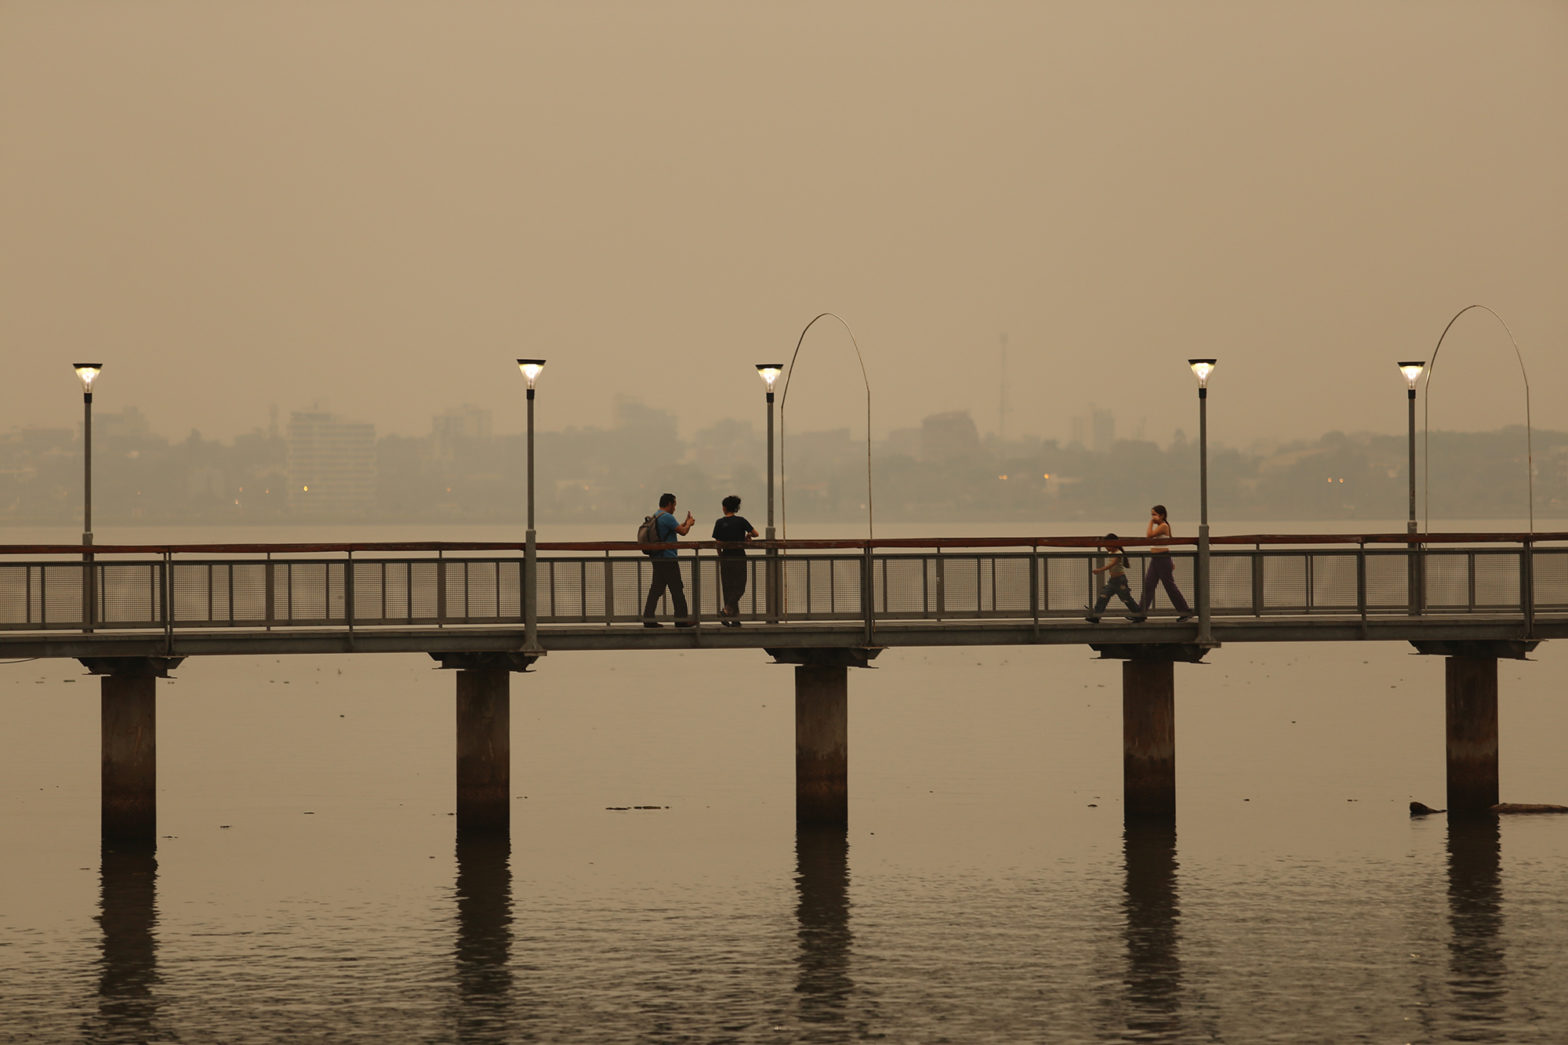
x=1475, y=951
x=1153, y=979
x=484, y=937
x=128, y=967
x=823, y=984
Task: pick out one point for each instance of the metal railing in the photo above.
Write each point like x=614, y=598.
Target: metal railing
x=1039, y=580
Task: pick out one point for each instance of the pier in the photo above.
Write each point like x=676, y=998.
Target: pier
x=133, y=614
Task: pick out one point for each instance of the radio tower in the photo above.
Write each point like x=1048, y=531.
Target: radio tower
x=1001, y=409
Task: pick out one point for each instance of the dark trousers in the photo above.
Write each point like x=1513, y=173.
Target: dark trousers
x=1162, y=571
x=1116, y=586
x=732, y=579
x=666, y=577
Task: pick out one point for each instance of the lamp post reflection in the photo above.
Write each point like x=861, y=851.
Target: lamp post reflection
x=1153, y=919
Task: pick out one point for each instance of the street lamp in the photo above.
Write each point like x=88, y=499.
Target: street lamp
x=769, y=372
x=1412, y=372
x=88, y=373
x=530, y=369
x=1201, y=369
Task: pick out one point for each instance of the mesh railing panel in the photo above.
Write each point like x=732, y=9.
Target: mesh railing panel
x=904, y=586
x=1496, y=581
x=1388, y=580
x=1551, y=579
x=1230, y=577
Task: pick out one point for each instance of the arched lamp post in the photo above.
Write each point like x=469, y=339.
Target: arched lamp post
x=1201, y=369
x=769, y=372
x=1412, y=371
x=87, y=373
x=530, y=369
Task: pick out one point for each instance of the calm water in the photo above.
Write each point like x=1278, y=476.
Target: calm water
x=307, y=885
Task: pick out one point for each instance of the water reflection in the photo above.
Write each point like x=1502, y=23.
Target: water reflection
x=1153, y=978
x=1475, y=919
x=484, y=938
x=823, y=985
x=128, y=969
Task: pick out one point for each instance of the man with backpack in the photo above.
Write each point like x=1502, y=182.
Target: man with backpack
x=666, y=566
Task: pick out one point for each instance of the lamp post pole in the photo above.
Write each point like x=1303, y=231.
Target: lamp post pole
x=769, y=372
x=1412, y=372
x=87, y=373
x=530, y=369
x=1202, y=368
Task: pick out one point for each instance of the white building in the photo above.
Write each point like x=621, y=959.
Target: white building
x=331, y=465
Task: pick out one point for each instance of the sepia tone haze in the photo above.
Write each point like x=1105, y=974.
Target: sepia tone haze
x=376, y=206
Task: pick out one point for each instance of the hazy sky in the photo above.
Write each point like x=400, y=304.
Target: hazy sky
x=378, y=205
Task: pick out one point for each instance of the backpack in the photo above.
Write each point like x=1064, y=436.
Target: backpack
x=648, y=533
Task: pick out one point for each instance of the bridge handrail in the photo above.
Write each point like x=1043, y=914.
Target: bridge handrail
x=347, y=547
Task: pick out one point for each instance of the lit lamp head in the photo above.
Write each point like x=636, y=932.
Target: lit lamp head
x=1412, y=372
x=530, y=369
x=1201, y=369
x=88, y=372
x=769, y=372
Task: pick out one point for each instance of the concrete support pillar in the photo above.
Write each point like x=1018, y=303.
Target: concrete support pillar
x=130, y=760
x=822, y=745
x=484, y=748
x=1149, y=740
x=1471, y=692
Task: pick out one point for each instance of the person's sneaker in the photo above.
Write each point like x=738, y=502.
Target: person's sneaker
x=1139, y=618
x=685, y=624
x=1184, y=618
x=652, y=624
x=1092, y=619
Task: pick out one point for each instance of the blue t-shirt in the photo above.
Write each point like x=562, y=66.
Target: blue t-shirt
x=669, y=530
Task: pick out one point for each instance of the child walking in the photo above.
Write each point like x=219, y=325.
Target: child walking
x=1115, y=582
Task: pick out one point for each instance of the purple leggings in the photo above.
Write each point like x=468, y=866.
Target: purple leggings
x=1162, y=571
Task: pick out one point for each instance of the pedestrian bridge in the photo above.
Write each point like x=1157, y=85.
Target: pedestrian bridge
x=132, y=614
x=183, y=600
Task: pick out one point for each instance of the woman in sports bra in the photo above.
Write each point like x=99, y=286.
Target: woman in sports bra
x=1161, y=570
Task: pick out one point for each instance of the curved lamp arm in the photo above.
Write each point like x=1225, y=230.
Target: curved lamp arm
x=1426, y=493
x=784, y=398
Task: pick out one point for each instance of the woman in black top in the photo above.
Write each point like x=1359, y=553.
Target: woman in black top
x=732, y=561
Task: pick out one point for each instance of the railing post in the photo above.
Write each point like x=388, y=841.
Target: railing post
x=609, y=587
x=1258, y=562
x=1527, y=586
x=269, y=595
x=440, y=588
x=868, y=592
x=696, y=587
x=348, y=593
x=166, y=600
x=1361, y=578
x=941, y=585
x=1034, y=587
